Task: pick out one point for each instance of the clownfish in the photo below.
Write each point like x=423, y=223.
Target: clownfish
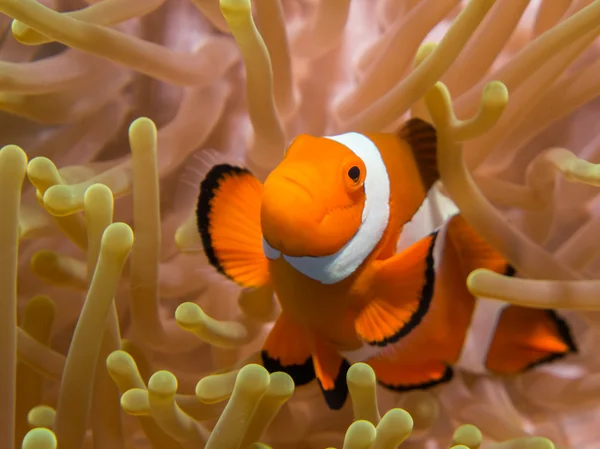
x=323, y=229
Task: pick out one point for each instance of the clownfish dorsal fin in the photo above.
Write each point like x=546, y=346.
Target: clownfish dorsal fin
x=474, y=252
x=422, y=139
x=228, y=220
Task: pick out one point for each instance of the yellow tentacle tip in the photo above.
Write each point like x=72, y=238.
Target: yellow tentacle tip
x=223, y=334
x=252, y=380
x=467, y=435
x=26, y=35
x=143, y=126
x=39, y=439
x=439, y=104
x=189, y=315
x=495, y=93
x=424, y=50
x=360, y=435
x=478, y=280
x=163, y=384
x=41, y=416
x=42, y=173
x=361, y=375
x=441, y=91
x=14, y=158
x=117, y=239
x=17, y=28
x=494, y=99
x=120, y=363
x=398, y=419
x=216, y=388
x=61, y=200
x=143, y=140
x=98, y=195
x=42, y=305
x=281, y=385
x=135, y=402
x=395, y=427
x=362, y=386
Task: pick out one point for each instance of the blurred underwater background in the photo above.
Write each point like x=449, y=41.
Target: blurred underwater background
x=115, y=333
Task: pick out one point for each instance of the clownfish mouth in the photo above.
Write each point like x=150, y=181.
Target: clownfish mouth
x=273, y=253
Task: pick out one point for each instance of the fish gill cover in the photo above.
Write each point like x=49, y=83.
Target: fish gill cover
x=112, y=109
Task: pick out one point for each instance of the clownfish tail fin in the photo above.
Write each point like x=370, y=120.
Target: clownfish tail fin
x=293, y=350
x=228, y=219
x=523, y=337
x=526, y=338
x=422, y=138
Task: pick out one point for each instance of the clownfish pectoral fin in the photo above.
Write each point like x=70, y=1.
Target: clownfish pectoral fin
x=291, y=349
x=287, y=349
x=228, y=218
x=331, y=370
x=395, y=373
x=526, y=338
x=402, y=290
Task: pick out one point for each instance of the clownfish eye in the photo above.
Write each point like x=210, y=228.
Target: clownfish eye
x=354, y=173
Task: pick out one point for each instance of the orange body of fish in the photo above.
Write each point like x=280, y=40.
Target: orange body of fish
x=323, y=231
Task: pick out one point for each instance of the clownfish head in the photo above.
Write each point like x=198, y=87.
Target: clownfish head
x=313, y=202
x=332, y=200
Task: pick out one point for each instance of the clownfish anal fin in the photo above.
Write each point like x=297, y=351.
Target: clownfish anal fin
x=228, y=219
x=331, y=369
x=405, y=375
x=287, y=349
x=526, y=338
x=422, y=138
x=304, y=357
x=403, y=290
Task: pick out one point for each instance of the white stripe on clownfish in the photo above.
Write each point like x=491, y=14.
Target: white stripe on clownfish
x=480, y=335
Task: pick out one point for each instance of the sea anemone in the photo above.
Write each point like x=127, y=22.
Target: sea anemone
x=112, y=110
